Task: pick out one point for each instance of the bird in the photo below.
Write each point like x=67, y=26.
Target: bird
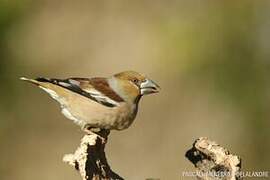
x=109, y=103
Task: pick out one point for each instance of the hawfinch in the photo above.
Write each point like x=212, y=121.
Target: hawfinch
x=99, y=103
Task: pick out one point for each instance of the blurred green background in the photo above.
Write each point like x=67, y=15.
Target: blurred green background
x=211, y=58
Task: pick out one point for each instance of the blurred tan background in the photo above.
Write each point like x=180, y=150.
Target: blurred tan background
x=211, y=59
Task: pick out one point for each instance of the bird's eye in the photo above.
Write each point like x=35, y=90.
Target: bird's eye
x=135, y=81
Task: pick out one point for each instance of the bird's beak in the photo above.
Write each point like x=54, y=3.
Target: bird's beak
x=148, y=87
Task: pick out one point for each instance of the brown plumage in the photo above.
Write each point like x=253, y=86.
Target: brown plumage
x=100, y=84
x=105, y=103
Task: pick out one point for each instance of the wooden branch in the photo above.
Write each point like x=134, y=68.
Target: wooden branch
x=213, y=162
x=90, y=159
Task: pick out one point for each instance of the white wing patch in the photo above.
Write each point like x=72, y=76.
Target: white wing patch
x=64, y=84
x=72, y=81
x=100, y=97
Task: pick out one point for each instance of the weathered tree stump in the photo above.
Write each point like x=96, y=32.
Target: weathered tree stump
x=213, y=162
x=90, y=159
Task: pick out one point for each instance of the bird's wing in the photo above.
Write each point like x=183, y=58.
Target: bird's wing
x=96, y=89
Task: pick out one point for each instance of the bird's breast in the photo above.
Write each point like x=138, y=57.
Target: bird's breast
x=125, y=116
x=96, y=115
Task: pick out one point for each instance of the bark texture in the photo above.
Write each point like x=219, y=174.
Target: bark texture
x=90, y=159
x=213, y=162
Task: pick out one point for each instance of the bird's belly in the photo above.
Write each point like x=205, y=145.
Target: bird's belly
x=84, y=111
x=100, y=116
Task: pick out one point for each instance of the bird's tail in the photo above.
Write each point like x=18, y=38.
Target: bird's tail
x=38, y=81
x=33, y=81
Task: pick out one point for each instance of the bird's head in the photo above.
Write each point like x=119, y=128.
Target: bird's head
x=132, y=85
